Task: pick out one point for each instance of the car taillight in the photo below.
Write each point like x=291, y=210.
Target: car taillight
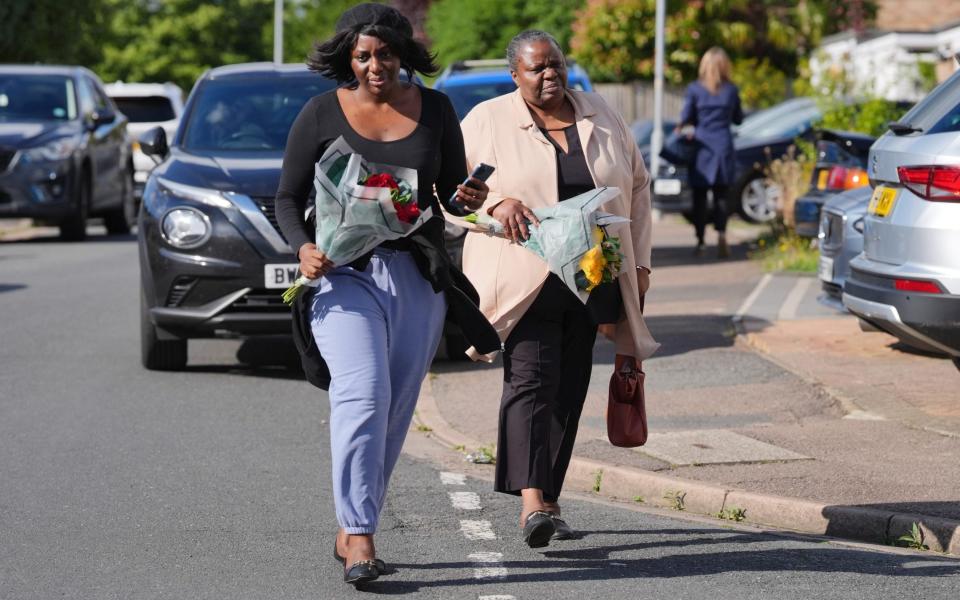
x=917, y=285
x=939, y=183
x=846, y=178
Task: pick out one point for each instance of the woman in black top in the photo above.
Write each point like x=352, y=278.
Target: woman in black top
x=377, y=324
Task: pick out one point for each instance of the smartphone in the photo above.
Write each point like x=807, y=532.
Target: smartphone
x=482, y=172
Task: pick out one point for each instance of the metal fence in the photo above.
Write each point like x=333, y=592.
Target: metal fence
x=635, y=100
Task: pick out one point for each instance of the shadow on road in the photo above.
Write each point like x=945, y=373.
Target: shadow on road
x=271, y=357
x=678, y=256
x=602, y=563
x=11, y=287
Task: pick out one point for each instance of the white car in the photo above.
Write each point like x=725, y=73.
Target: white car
x=907, y=280
x=147, y=105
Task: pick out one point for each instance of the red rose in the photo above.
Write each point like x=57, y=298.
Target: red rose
x=408, y=213
x=381, y=180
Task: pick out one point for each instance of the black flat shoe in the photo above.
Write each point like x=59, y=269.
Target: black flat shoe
x=361, y=571
x=563, y=531
x=381, y=566
x=538, y=529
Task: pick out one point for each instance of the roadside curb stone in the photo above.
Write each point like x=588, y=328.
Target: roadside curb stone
x=625, y=483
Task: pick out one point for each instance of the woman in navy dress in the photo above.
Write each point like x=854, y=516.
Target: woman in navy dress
x=711, y=104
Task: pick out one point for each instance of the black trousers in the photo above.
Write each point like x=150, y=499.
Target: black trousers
x=547, y=362
x=700, y=209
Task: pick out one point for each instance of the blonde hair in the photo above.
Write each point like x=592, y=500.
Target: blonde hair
x=715, y=69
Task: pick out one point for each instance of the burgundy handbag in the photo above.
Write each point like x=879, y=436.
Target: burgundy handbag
x=626, y=412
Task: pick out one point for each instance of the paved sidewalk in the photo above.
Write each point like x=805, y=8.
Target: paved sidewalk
x=759, y=399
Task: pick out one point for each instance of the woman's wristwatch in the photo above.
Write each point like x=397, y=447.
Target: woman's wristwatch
x=644, y=268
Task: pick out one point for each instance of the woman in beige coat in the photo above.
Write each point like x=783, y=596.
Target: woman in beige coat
x=549, y=143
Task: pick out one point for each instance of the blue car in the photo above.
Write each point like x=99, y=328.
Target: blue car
x=470, y=82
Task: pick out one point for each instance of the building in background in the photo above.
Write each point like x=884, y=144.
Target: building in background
x=910, y=49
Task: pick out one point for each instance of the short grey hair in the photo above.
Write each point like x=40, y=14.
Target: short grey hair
x=528, y=37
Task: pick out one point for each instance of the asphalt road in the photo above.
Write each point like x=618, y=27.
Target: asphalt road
x=116, y=482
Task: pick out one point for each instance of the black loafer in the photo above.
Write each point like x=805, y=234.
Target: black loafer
x=381, y=566
x=563, y=531
x=538, y=528
x=361, y=571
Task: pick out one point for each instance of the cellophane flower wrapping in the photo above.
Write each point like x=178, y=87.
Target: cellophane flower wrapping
x=353, y=218
x=567, y=233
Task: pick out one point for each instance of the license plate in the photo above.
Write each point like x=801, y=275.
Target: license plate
x=280, y=276
x=882, y=201
x=826, y=268
x=666, y=187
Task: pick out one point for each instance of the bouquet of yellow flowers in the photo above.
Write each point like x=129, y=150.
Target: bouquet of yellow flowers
x=572, y=238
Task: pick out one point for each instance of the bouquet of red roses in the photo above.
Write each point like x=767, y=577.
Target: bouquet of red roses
x=359, y=205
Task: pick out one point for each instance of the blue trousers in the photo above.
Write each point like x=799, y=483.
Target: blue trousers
x=378, y=330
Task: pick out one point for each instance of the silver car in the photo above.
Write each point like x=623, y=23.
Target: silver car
x=841, y=240
x=907, y=281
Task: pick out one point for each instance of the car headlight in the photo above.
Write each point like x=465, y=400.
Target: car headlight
x=194, y=194
x=185, y=227
x=55, y=150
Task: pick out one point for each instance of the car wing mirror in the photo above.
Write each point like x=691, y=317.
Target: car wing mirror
x=153, y=143
x=103, y=117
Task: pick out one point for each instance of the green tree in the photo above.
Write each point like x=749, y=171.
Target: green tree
x=306, y=22
x=614, y=39
x=51, y=31
x=177, y=40
x=465, y=29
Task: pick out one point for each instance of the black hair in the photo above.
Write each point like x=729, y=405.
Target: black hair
x=527, y=37
x=331, y=58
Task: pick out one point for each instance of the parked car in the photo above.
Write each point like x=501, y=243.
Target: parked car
x=841, y=165
x=64, y=152
x=212, y=259
x=841, y=240
x=147, y=105
x=907, y=280
x=470, y=82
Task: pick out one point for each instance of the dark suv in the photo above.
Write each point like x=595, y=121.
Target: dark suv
x=212, y=260
x=64, y=153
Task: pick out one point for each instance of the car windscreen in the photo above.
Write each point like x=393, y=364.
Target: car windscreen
x=250, y=114
x=26, y=97
x=464, y=97
x=146, y=109
x=939, y=112
x=787, y=119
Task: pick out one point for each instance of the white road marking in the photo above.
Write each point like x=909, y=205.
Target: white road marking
x=497, y=597
x=788, y=310
x=486, y=571
x=453, y=478
x=477, y=530
x=465, y=500
x=749, y=300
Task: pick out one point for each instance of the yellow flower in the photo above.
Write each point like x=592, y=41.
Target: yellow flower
x=597, y=235
x=592, y=264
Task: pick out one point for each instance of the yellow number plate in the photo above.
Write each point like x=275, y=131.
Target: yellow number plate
x=822, y=179
x=881, y=203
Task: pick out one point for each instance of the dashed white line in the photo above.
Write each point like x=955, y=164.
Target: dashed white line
x=477, y=530
x=452, y=478
x=465, y=500
x=497, y=597
x=749, y=300
x=488, y=565
x=788, y=310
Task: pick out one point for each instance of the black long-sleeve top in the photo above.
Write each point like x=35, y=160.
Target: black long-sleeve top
x=434, y=149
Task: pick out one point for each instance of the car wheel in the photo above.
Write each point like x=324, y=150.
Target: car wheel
x=119, y=220
x=759, y=199
x=74, y=227
x=156, y=354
